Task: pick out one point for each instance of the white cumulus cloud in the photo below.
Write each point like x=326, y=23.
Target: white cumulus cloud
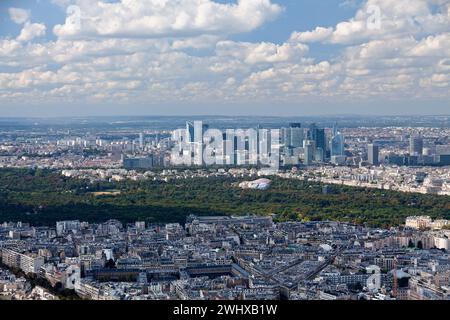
x=162, y=18
x=385, y=19
x=19, y=15
x=184, y=51
x=31, y=31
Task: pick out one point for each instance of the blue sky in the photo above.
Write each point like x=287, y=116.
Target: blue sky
x=297, y=15
x=293, y=18
x=274, y=57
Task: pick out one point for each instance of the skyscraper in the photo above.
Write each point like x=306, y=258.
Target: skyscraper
x=312, y=132
x=264, y=145
x=372, y=154
x=190, y=131
x=194, y=134
x=199, y=129
x=296, y=135
x=337, y=143
x=321, y=142
x=286, y=137
x=141, y=140
x=292, y=138
x=318, y=136
x=415, y=145
x=319, y=155
x=309, y=148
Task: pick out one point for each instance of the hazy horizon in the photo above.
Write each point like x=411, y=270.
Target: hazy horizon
x=250, y=110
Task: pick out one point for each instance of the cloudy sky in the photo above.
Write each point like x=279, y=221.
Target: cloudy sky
x=252, y=57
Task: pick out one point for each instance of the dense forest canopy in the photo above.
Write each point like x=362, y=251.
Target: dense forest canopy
x=43, y=197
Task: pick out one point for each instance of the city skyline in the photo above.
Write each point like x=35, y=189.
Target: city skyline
x=211, y=58
x=274, y=209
